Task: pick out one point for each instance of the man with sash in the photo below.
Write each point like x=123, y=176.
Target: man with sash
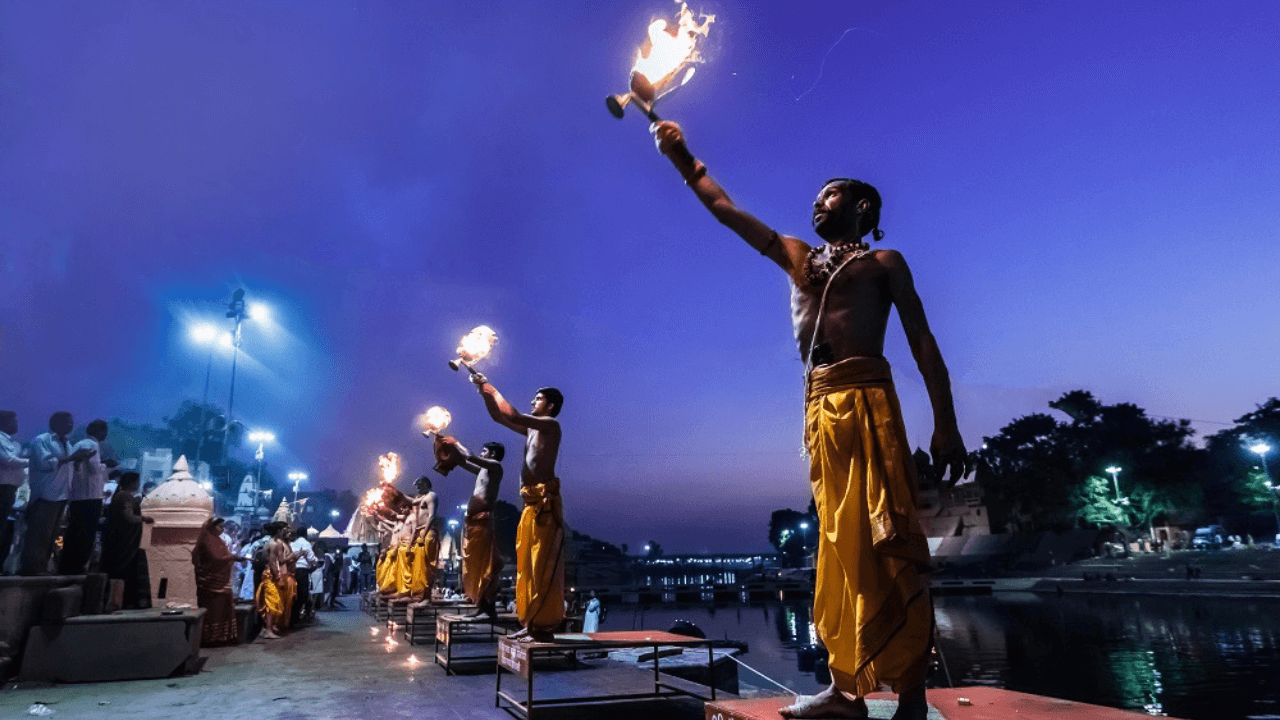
x=481, y=563
x=871, y=605
x=540, y=535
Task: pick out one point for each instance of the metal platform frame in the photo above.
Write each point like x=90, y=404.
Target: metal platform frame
x=520, y=659
x=453, y=627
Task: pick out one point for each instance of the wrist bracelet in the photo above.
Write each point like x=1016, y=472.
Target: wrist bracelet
x=699, y=169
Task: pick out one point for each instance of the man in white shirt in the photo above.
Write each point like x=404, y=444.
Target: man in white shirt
x=306, y=562
x=13, y=472
x=84, y=500
x=50, y=477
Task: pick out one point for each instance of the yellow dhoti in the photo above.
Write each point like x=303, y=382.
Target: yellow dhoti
x=481, y=562
x=419, y=575
x=386, y=571
x=540, y=558
x=267, y=597
x=871, y=606
x=403, y=572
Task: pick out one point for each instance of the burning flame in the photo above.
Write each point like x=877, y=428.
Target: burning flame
x=477, y=344
x=389, y=466
x=669, y=48
x=435, y=419
x=372, y=499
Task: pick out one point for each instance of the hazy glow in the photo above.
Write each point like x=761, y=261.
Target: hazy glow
x=1261, y=448
x=259, y=312
x=297, y=476
x=204, y=333
x=261, y=436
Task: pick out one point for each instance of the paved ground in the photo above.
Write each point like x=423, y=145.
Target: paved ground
x=331, y=669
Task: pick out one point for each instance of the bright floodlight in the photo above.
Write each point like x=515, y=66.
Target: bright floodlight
x=1261, y=449
x=1113, y=469
x=258, y=311
x=334, y=513
x=297, y=476
x=261, y=436
x=225, y=340
x=453, y=523
x=204, y=334
x=804, y=526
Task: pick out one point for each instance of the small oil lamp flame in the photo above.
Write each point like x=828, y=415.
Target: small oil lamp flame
x=389, y=467
x=435, y=420
x=474, y=347
x=413, y=661
x=664, y=63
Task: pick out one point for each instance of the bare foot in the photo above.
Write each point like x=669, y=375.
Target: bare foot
x=269, y=636
x=830, y=703
x=519, y=634
x=912, y=705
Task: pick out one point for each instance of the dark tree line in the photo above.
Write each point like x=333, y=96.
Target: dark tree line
x=1050, y=472
x=1041, y=472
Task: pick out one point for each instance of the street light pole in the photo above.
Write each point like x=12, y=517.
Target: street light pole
x=236, y=311
x=1262, y=449
x=1115, y=479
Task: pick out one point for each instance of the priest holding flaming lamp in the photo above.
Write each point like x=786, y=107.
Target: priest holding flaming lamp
x=540, y=535
x=481, y=562
x=871, y=606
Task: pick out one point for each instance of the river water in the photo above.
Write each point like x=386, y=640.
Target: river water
x=1199, y=659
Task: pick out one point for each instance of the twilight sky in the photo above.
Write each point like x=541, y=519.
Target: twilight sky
x=1088, y=193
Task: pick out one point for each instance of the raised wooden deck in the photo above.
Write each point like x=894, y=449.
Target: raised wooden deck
x=969, y=703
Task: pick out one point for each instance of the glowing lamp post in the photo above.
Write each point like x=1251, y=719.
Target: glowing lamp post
x=204, y=335
x=298, y=477
x=1262, y=449
x=1115, y=480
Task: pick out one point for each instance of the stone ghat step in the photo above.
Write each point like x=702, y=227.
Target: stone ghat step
x=968, y=703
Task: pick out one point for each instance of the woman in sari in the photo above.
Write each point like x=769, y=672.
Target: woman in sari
x=214, y=561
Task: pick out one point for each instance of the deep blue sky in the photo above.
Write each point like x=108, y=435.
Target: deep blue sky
x=1088, y=193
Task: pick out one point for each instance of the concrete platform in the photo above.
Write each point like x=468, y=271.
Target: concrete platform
x=127, y=645
x=969, y=703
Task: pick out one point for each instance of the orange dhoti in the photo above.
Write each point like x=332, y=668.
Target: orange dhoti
x=431, y=558
x=871, y=606
x=422, y=564
x=481, y=562
x=540, y=558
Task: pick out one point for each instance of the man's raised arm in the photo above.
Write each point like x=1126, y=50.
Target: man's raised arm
x=947, y=447
x=786, y=251
x=503, y=414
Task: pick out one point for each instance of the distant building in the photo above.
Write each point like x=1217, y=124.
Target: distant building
x=952, y=512
x=155, y=466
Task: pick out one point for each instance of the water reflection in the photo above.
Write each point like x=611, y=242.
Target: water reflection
x=1199, y=659
x=1187, y=657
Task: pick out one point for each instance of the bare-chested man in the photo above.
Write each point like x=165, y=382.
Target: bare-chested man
x=425, y=546
x=871, y=605
x=275, y=593
x=481, y=562
x=540, y=536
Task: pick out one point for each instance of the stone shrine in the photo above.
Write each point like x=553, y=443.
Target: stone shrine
x=180, y=507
